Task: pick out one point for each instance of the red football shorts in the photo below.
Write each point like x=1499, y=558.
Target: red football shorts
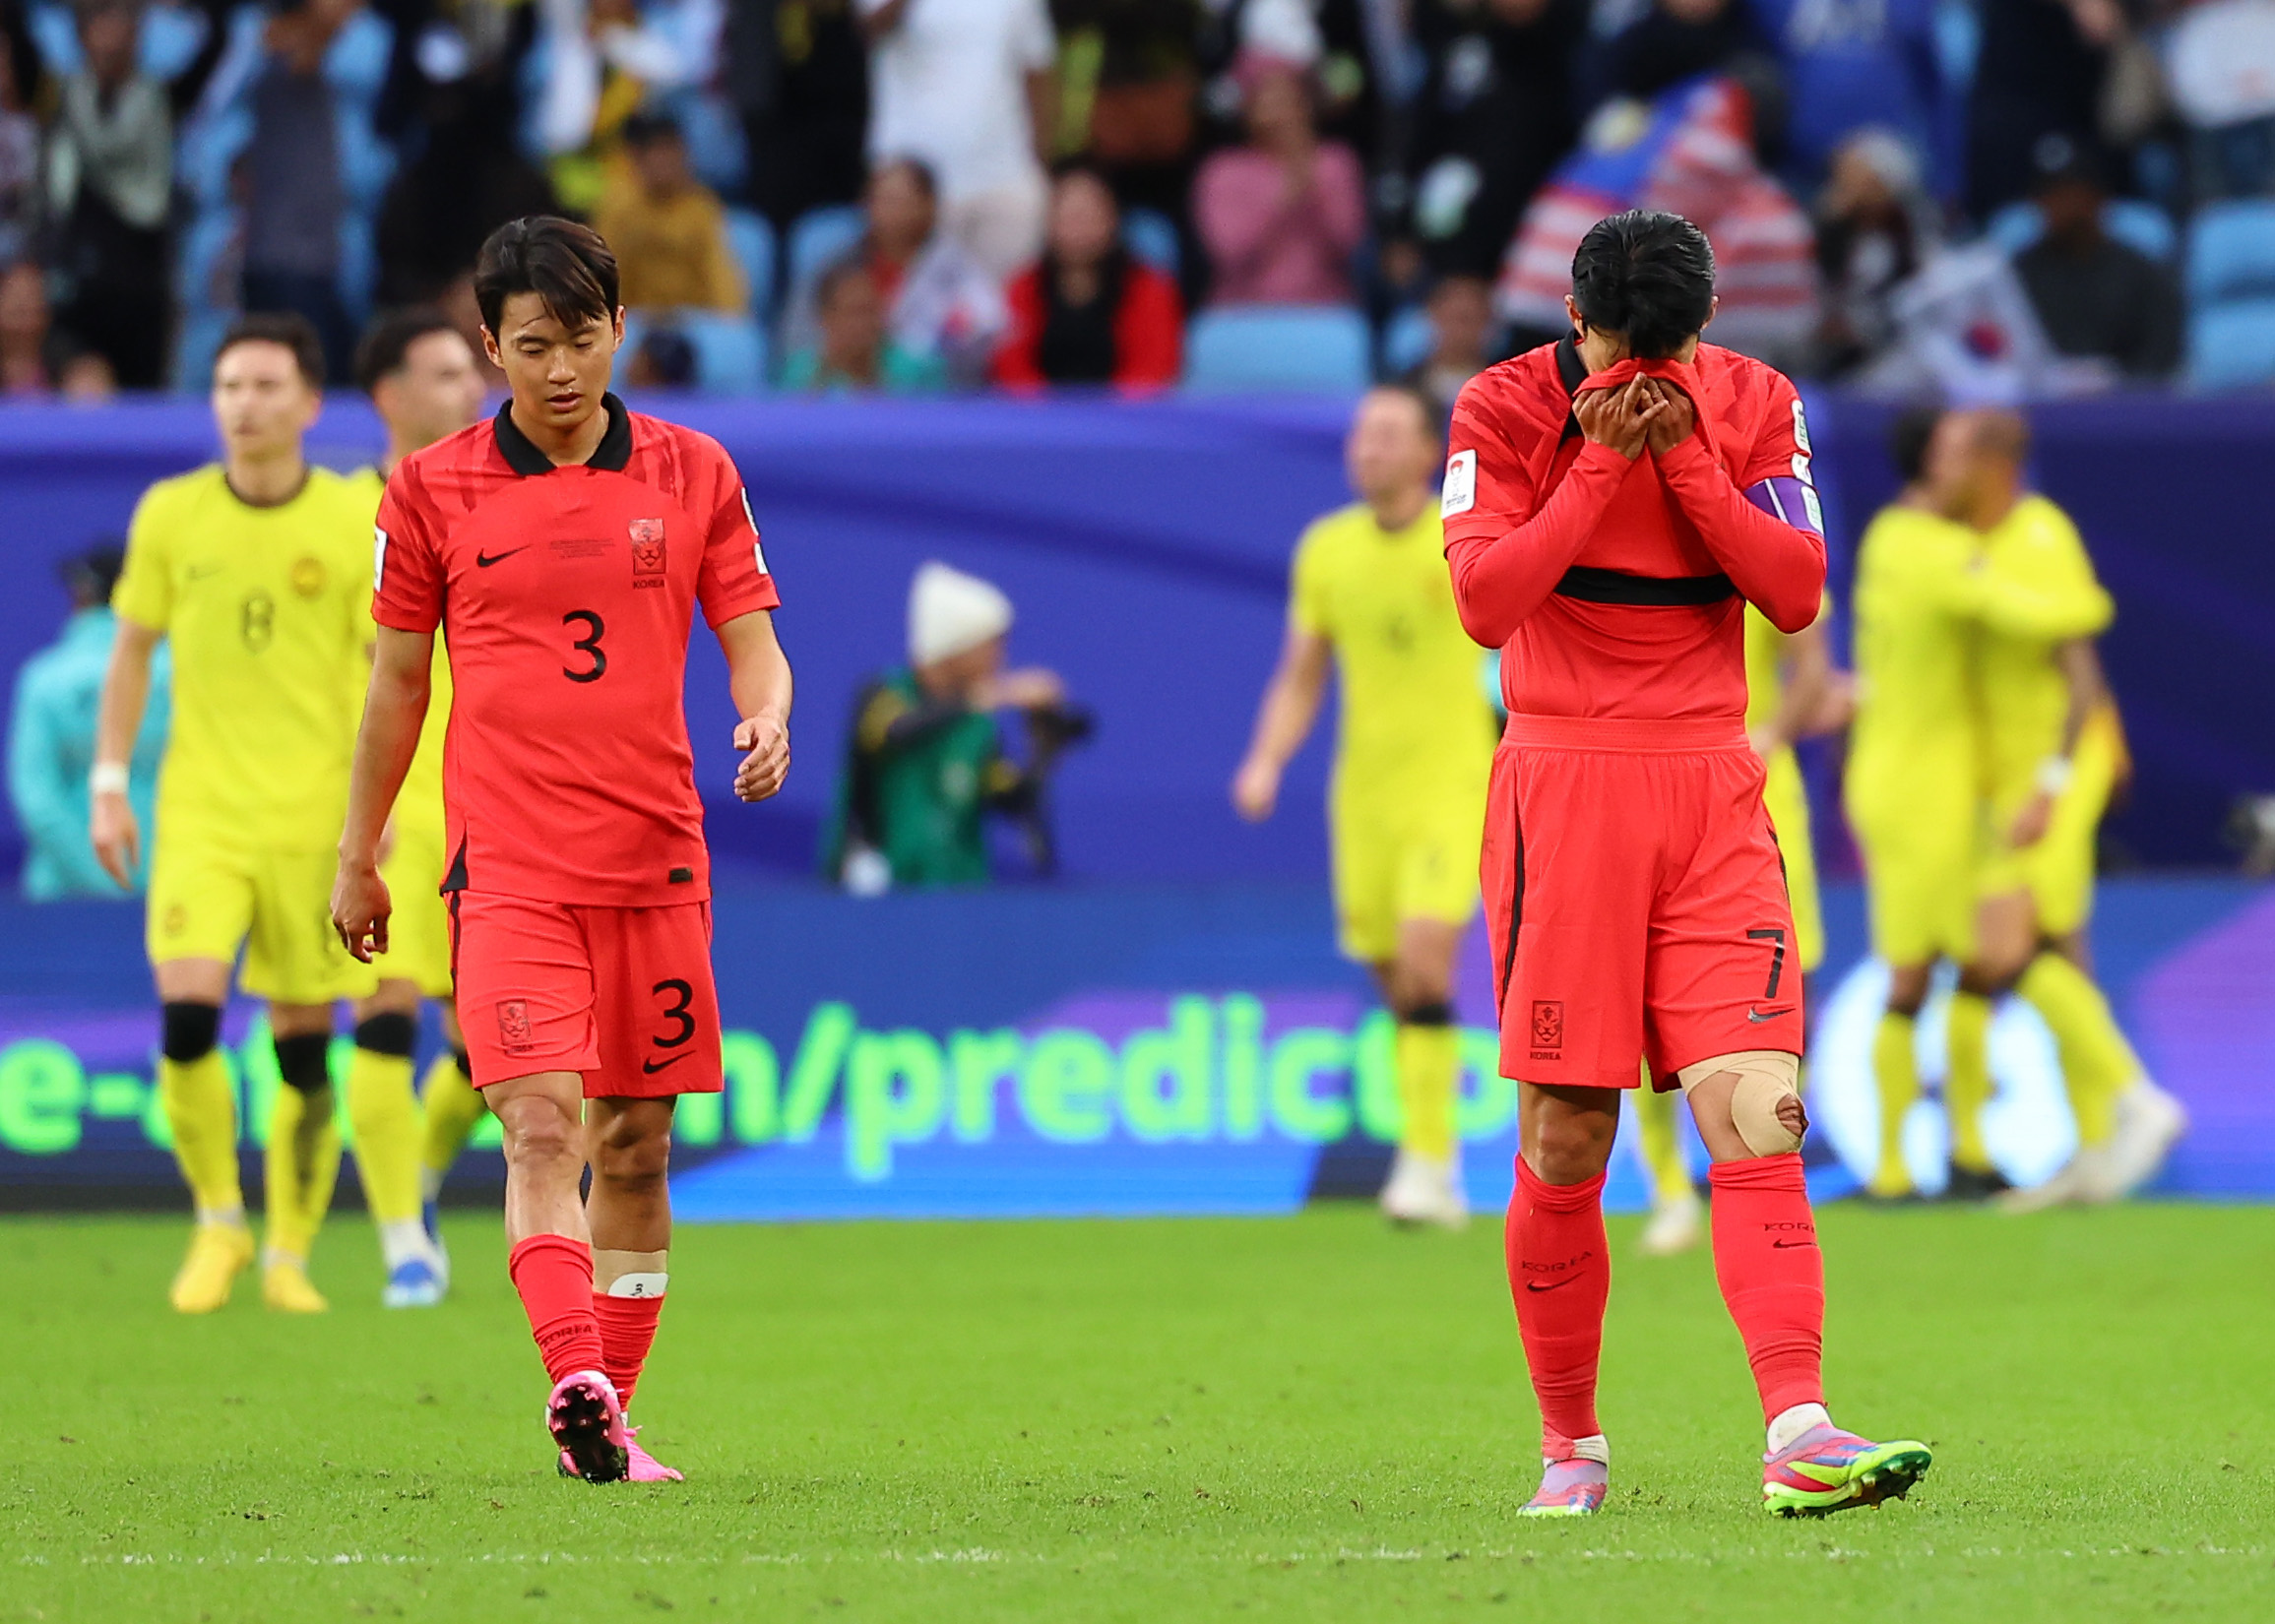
x=621, y=994
x=1635, y=899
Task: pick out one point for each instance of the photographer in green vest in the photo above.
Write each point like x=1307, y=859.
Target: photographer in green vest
x=926, y=761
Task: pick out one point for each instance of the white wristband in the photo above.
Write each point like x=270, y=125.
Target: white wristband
x=106, y=778
x=2054, y=773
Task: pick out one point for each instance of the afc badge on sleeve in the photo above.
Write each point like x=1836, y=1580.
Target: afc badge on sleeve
x=1461, y=484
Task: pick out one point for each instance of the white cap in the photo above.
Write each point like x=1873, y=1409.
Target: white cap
x=950, y=612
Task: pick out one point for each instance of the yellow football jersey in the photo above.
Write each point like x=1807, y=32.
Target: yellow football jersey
x=268, y=612
x=1915, y=604
x=1413, y=717
x=418, y=804
x=2041, y=592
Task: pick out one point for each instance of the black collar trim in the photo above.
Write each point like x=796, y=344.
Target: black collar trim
x=611, y=456
x=1573, y=372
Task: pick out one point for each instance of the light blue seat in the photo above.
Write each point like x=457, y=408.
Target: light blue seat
x=2232, y=253
x=818, y=240
x=1150, y=237
x=1407, y=342
x=1287, y=348
x=2232, y=346
x=2141, y=227
x=730, y=350
x=751, y=238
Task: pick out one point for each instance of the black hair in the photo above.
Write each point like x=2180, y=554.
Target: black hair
x=1647, y=276
x=90, y=576
x=285, y=326
x=648, y=126
x=1907, y=439
x=386, y=342
x=1433, y=423
x=566, y=265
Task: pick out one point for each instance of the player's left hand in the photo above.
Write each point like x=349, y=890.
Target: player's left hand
x=2032, y=822
x=360, y=908
x=765, y=745
x=1675, y=420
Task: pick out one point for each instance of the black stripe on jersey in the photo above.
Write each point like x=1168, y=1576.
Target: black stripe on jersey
x=456, y=881
x=1516, y=898
x=1573, y=372
x=1594, y=586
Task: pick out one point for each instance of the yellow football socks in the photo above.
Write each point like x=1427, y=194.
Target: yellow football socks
x=1967, y=1083
x=453, y=1105
x=2097, y=1063
x=1429, y=1073
x=303, y=1164
x=1896, y=1067
x=1658, y=1136
x=384, y=1113
x=201, y=1108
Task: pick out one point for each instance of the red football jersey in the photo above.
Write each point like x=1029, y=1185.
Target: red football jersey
x=1618, y=589
x=566, y=596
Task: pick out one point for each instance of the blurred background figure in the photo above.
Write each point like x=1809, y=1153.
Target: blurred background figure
x=666, y=228
x=926, y=761
x=856, y=351
x=51, y=738
x=967, y=87
x=1280, y=216
x=1464, y=341
x=2098, y=299
x=1875, y=229
x=799, y=74
x=1090, y=312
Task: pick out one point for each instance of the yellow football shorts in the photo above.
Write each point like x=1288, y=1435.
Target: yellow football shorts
x=1921, y=855
x=211, y=895
x=1417, y=860
x=2058, y=871
x=1786, y=800
x=419, y=930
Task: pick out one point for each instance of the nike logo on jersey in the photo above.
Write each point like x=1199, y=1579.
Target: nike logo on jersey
x=199, y=572
x=651, y=1067
x=1789, y=1245
x=484, y=560
x=1536, y=1285
x=1757, y=1016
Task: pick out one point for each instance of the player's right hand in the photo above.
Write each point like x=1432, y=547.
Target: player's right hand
x=360, y=908
x=1255, y=789
x=1618, y=417
x=117, y=837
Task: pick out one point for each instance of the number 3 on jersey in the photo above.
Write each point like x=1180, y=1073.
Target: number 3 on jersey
x=588, y=645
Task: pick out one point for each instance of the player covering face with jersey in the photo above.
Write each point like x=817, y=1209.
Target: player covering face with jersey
x=1613, y=502
x=563, y=548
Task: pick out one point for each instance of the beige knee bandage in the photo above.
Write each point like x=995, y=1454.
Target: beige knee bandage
x=1765, y=1078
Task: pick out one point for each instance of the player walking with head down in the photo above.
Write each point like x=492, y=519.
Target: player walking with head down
x=1613, y=502
x=563, y=548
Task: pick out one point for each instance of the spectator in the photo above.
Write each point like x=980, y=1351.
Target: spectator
x=667, y=229
x=19, y=157
x=1281, y=217
x=1849, y=66
x=857, y=353
x=1462, y=333
x=799, y=74
x=967, y=87
x=1494, y=115
x=1875, y=229
x=1672, y=42
x=939, y=301
x=1089, y=312
x=2096, y=297
x=603, y=60
x=296, y=195
x=2221, y=57
x=52, y=737
x=1130, y=78
x=35, y=360
x=2039, y=73
x=925, y=762
x=111, y=161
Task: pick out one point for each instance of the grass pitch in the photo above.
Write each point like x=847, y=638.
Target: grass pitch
x=1307, y=1418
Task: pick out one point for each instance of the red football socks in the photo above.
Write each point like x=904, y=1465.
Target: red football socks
x=1772, y=1275
x=1560, y=1276
x=627, y=1332
x=554, y=1277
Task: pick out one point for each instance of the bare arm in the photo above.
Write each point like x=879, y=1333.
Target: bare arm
x=758, y=677
x=394, y=712
x=1043, y=113
x=125, y=695
x=1808, y=682
x=2080, y=667
x=1283, y=722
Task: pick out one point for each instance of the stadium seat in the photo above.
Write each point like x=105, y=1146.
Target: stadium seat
x=2232, y=253
x=2232, y=346
x=1265, y=349
x=730, y=351
x=818, y=240
x=2139, y=225
x=1407, y=342
x=751, y=238
x=1150, y=236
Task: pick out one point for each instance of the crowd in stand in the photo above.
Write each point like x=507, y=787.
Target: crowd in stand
x=911, y=196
